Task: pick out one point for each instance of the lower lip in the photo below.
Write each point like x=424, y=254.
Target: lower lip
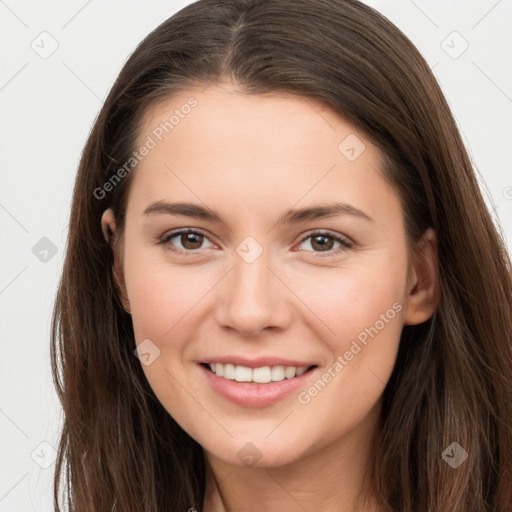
x=250, y=395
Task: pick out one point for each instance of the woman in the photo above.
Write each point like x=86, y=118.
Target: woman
x=282, y=288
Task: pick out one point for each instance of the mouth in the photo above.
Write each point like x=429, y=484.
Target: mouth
x=259, y=375
x=239, y=384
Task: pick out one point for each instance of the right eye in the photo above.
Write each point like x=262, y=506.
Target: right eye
x=190, y=240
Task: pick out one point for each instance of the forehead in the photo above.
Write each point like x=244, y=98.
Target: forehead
x=223, y=146
x=221, y=114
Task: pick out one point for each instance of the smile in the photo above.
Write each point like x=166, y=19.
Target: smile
x=241, y=384
x=261, y=375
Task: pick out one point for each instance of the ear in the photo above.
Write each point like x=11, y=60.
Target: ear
x=108, y=226
x=423, y=281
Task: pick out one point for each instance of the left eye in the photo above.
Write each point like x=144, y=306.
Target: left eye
x=322, y=241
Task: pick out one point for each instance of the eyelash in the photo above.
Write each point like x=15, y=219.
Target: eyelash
x=345, y=244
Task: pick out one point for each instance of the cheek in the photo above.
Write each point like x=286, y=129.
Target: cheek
x=364, y=311
x=162, y=298
x=347, y=301
x=359, y=311
x=164, y=305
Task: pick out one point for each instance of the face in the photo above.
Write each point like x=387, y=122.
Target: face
x=295, y=256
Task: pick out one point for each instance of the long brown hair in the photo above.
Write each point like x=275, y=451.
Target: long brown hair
x=452, y=382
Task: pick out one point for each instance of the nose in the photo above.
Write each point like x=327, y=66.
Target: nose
x=252, y=298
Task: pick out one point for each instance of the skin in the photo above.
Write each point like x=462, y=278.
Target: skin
x=251, y=159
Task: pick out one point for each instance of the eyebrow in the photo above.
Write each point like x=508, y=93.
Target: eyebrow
x=293, y=216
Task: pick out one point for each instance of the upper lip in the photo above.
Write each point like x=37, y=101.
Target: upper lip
x=258, y=362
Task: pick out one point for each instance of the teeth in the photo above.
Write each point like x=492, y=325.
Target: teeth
x=301, y=370
x=277, y=373
x=228, y=371
x=260, y=375
x=243, y=374
x=289, y=372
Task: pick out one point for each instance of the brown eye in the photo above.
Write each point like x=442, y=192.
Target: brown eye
x=191, y=240
x=324, y=242
x=184, y=241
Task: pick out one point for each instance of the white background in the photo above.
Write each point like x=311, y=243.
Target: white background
x=47, y=109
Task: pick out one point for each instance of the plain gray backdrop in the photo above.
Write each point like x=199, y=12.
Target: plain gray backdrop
x=58, y=61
